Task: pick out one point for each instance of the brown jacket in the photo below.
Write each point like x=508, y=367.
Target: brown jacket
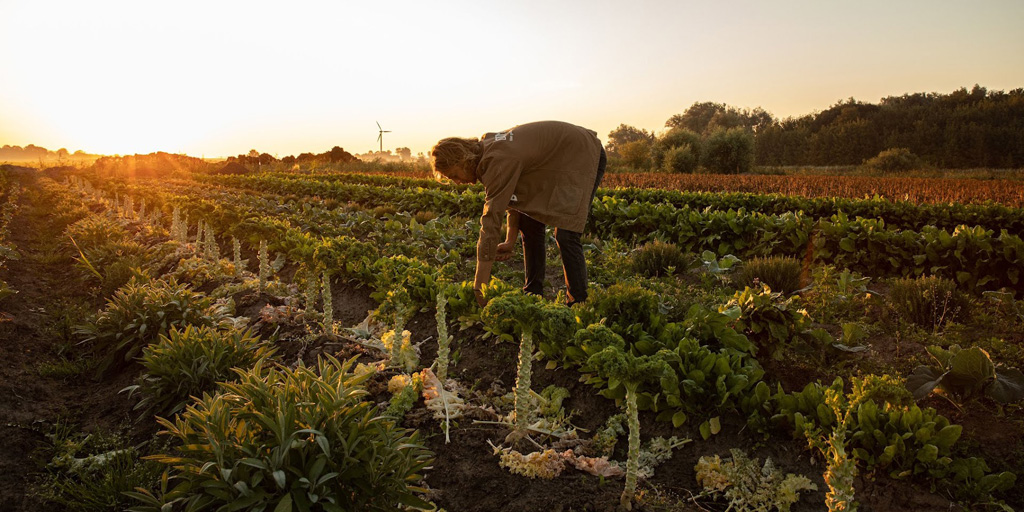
x=545, y=170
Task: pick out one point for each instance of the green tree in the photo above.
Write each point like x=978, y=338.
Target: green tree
x=728, y=151
x=625, y=134
x=637, y=154
x=679, y=151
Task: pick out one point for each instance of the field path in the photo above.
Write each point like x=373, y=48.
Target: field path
x=35, y=325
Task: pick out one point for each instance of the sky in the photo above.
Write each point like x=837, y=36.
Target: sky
x=220, y=77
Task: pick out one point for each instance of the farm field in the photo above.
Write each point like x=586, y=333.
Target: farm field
x=869, y=347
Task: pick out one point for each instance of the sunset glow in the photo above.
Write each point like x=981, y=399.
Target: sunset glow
x=221, y=78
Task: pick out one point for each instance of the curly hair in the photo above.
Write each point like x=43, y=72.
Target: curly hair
x=453, y=153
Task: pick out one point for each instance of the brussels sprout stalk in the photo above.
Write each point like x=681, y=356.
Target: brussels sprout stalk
x=616, y=364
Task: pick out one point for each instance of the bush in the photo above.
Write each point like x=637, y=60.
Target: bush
x=636, y=154
x=894, y=160
x=683, y=159
x=928, y=301
x=654, y=259
x=140, y=312
x=191, y=362
x=780, y=273
x=728, y=151
x=280, y=439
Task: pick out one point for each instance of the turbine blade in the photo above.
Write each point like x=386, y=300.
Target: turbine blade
x=378, y=125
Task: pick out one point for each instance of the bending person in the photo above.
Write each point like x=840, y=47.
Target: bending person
x=537, y=174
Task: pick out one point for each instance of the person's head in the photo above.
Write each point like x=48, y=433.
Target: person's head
x=455, y=158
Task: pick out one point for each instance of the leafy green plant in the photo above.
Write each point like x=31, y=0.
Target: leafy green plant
x=780, y=273
x=972, y=480
x=91, y=472
x=187, y=363
x=748, y=485
x=278, y=439
x=658, y=258
x=632, y=311
x=836, y=294
x=930, y=302
x=717, y=266
x=139, y=312
x=771, y=320
x=966, y=374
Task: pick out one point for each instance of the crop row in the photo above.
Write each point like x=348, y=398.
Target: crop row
x=898, y=214
x=710, y=368
x=977, y=258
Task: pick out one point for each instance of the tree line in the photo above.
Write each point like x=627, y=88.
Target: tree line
x=33, y=153
x=962, y=129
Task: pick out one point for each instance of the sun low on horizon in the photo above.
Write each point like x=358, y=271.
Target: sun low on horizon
x=221, y=78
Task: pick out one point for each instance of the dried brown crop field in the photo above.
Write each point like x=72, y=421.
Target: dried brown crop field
x=918, y=190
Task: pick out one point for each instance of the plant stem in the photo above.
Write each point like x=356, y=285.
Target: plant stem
x=522, y=396
x=443, y=340
x=633, y=459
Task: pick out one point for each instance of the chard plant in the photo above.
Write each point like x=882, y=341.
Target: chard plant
x=618, y=365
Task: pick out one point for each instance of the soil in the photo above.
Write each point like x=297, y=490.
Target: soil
x=30, y=404
x=465, y=475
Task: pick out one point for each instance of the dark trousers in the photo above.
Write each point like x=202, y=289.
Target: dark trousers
x=574, y=263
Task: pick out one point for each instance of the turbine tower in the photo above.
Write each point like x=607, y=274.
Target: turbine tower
x=380, y=136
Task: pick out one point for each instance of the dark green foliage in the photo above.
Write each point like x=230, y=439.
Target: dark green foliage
x=190, y=362
x=619, y=366
x=781, y=273
x=91, y=473
x=631, y=311
x=681, y=137
x=140, y=312
x=278, y=439
x=683, y=159
x=930, y=302
x=658, y=258
x=894, y=160
x=680, y=151
x=106, y=251
x=962, y=129
x=728, y=151
x=966, y=374
x=770, y=320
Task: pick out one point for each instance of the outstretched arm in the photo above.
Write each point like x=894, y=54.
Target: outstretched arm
x=511, y=236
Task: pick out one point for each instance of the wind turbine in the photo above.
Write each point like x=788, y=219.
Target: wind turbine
x=380, y=136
